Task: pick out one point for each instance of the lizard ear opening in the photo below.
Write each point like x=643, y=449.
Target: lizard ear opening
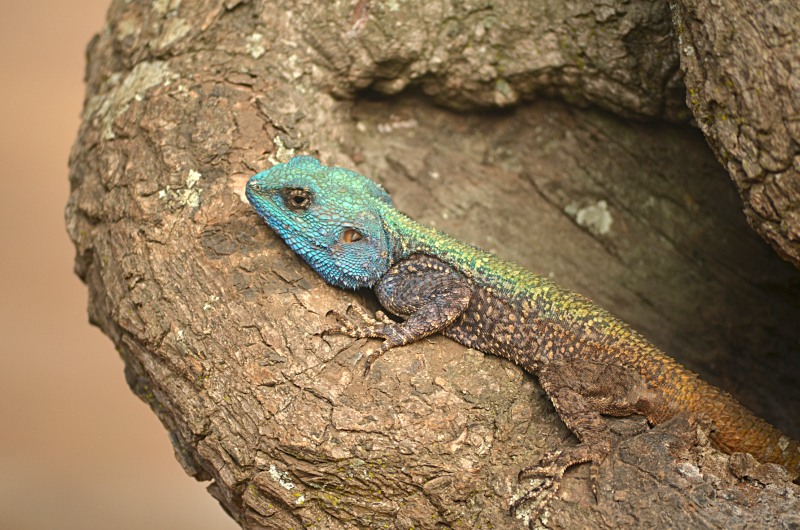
x=350, y=235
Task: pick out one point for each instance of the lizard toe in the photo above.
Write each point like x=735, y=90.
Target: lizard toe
x=381, y=316
x=372, y=356
x=547, y=466
x=533, y=501
x=594, y=477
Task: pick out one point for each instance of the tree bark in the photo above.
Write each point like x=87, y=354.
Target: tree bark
x=742, y=63
x=219, y=323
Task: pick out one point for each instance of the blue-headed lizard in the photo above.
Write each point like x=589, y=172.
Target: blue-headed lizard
x=588, y=362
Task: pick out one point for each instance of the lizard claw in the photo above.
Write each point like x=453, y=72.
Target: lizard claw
x=548, y=473
x=375, y=355
x=371, y=358
x=594, y=477
x=343, y=325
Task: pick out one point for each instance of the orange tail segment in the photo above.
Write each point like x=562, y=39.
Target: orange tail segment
x=736, y=429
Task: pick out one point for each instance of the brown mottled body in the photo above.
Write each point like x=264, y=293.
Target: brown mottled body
x=617, y=376
x=589, y=363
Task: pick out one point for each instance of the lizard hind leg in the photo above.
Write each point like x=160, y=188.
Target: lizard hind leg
x=595, y=444
x=581, y=391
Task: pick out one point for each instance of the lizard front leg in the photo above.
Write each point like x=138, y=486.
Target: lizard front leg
x=427, y=292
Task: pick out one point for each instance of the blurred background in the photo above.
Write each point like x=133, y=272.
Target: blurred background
x=77, y=448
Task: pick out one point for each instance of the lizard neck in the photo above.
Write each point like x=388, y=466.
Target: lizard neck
x=407, y=237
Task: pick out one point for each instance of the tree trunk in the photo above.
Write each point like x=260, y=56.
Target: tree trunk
x=219, y=322
x=742, y=63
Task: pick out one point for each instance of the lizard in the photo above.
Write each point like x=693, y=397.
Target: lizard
x=588, y=362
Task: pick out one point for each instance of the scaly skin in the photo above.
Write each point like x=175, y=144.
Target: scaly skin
x=588, y=362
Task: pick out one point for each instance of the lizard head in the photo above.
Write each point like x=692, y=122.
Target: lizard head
x=329, y=216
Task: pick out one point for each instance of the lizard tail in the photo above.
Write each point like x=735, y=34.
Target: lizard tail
x=736, y=429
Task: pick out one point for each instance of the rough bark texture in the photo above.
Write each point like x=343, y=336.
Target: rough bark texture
x=742, y=63
x=218, y=322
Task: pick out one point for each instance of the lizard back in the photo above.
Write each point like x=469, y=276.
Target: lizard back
x=519, y=315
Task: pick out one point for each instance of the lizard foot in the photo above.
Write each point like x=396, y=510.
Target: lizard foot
x=549, y=472
x=365, y=326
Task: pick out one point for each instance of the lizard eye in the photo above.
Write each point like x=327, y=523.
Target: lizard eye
x=350, y=236
x=297, y=199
